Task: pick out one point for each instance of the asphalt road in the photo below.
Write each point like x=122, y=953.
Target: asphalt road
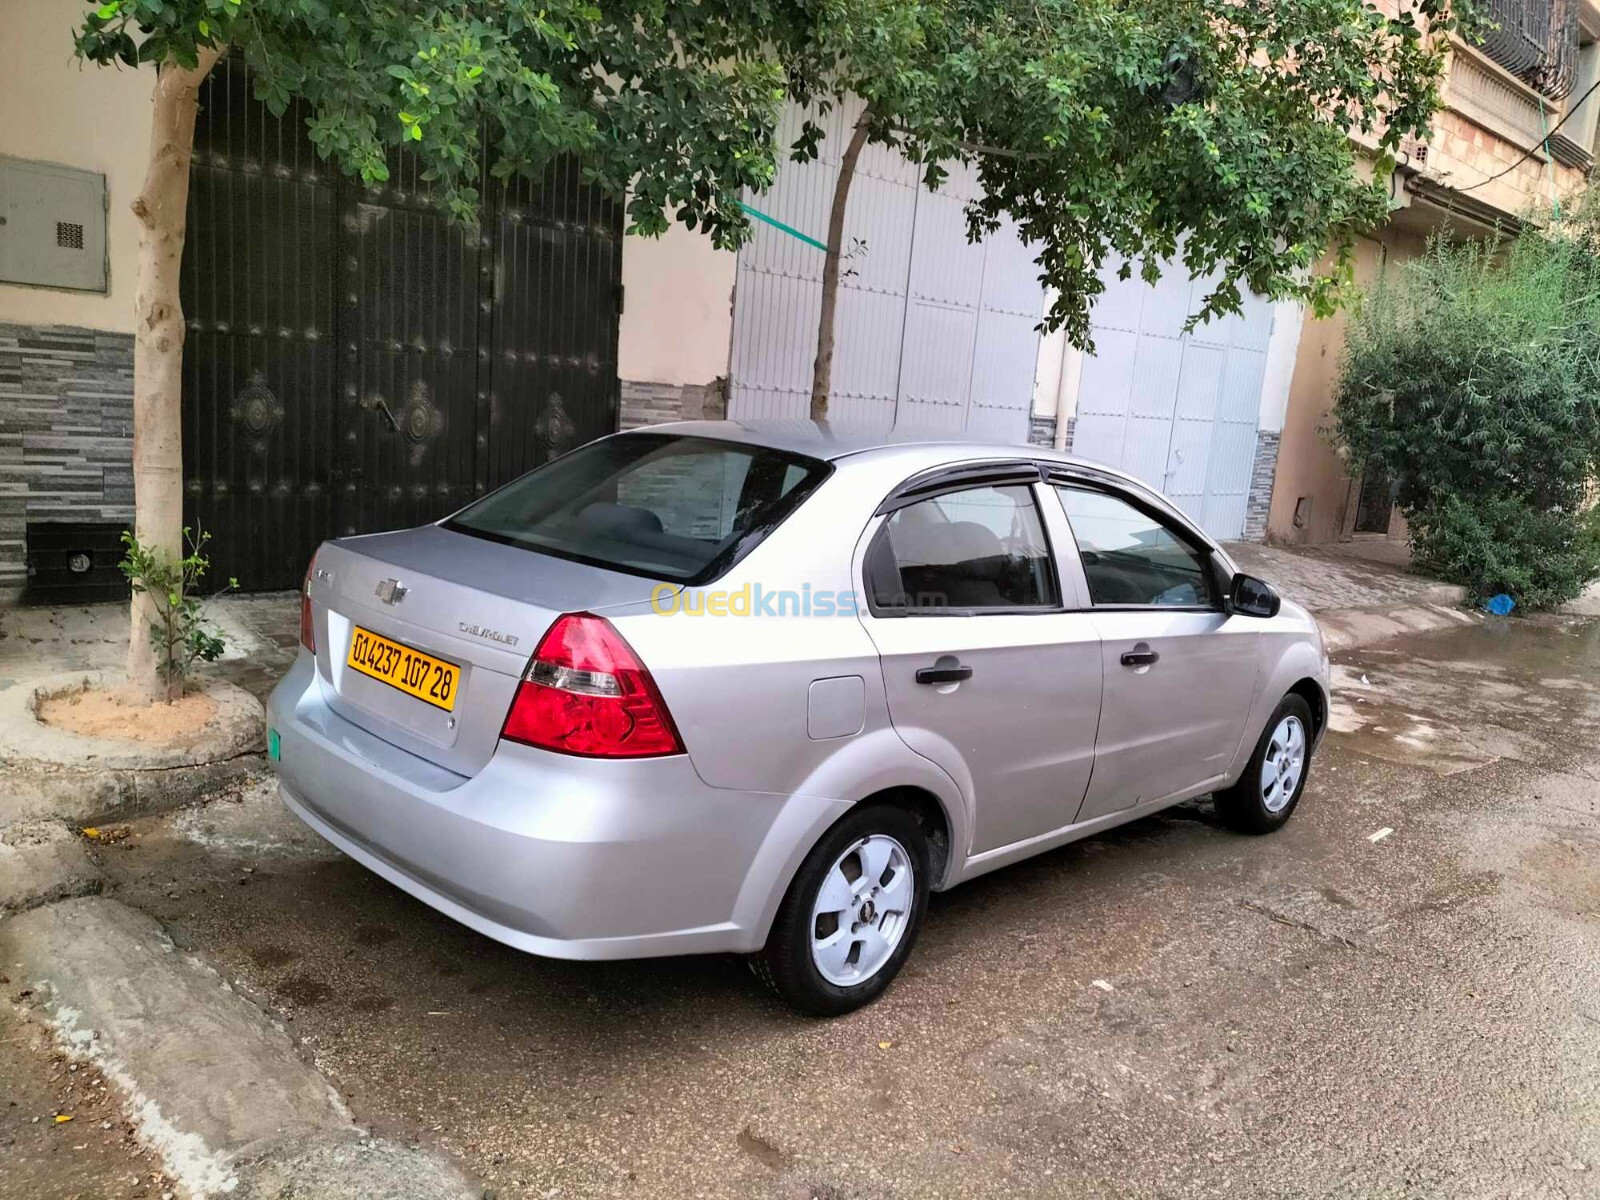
x=1167, y=1010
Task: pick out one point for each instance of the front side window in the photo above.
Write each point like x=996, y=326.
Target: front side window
x=1130, y=557
x=651, y=504
x=980, y=548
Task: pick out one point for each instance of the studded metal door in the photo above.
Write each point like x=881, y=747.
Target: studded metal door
x=355, y=361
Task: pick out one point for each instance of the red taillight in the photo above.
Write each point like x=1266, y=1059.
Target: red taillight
x=586, y=692
x=308, y=635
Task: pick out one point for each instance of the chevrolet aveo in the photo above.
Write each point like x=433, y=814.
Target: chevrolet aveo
x=731, y=687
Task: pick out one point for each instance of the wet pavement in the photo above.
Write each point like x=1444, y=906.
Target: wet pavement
x=1166, y=1010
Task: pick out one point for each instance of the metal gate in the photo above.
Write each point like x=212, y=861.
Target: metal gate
x=931, y=330
x=1179, y=410
x=354, y=361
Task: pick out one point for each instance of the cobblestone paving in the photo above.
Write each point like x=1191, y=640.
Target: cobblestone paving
x=1327, y=579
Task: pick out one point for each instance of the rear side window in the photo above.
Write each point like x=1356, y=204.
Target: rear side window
x=677, y=508
x=1129, y=557
x=980, y=548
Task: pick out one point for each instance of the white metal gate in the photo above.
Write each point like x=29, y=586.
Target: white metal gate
x=930, y=329
x=1178, y=410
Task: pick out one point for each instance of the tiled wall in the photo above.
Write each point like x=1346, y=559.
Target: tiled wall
x=1262, y=473
x=655, y=403
x=66, y=433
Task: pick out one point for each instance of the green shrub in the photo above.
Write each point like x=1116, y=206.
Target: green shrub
x=1502, y=544
x=1471, y=377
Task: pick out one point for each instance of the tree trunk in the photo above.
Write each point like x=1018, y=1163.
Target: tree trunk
x=162, y=209
x=822, y=372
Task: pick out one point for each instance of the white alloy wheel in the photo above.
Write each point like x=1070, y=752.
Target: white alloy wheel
x=862, y=910
x=1283, y=764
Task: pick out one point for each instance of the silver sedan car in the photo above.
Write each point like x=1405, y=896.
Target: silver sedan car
x=719, y=686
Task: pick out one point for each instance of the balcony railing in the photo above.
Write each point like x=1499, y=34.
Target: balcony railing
x=1536, y=40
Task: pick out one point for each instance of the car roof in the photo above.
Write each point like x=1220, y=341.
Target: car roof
x=903, y=448
x=833, y=440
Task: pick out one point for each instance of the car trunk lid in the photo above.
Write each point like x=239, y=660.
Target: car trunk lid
x=476, y=604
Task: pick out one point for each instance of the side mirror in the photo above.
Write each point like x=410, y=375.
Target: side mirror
x=1251, y=597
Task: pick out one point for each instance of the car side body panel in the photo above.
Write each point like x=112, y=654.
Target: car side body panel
x=581, y=858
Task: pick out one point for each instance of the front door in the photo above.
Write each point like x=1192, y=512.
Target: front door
x=1179, y=671
x=987, y=675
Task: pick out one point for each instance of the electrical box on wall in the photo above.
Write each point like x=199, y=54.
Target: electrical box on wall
x=52, y=225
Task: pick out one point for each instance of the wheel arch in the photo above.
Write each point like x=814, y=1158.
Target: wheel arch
x=931, y=815
x=1311, y=692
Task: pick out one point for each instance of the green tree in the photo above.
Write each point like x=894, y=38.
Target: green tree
x=1470, y=378
x=1224, y=134
x=672, y=104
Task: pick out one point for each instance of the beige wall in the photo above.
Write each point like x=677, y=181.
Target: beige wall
x=1308, y=465
x=59, y=110
x=677, y=315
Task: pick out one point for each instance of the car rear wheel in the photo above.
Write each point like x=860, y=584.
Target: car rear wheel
x=1266, y=794
x=849, y=919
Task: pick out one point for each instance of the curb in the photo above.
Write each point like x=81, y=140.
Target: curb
x=42, y=863
x=82, y=797
x=1353, y=628
x=25, y=740
x=212, y=1083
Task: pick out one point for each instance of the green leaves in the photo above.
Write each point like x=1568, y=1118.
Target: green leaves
x=1109, y=130
x=178, y=630
x=1471, y=379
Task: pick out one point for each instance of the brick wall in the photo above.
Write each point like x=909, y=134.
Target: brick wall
x=1262, y=472
x=66, y=433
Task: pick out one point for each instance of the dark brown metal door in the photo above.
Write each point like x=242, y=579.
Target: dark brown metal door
x=355, y=361
x=1375, y=502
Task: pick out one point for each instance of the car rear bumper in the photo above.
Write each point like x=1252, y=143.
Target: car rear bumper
x=560, y=856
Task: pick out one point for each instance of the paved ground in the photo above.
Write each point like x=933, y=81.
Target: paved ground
x=1311, y=1014
x=262, y=633
x=1329, y=577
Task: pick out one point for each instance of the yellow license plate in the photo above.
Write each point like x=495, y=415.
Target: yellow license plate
x=429, y=679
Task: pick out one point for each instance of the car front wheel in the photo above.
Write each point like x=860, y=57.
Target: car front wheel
x=849, y=919
x=1267, y=792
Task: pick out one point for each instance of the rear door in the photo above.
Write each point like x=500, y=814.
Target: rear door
x=988, y=673
x=1179, y=671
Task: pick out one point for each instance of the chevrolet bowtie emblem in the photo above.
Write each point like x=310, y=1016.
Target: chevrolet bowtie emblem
x=391, y=591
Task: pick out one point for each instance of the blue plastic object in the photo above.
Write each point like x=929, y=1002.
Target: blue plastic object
x=1500, y=605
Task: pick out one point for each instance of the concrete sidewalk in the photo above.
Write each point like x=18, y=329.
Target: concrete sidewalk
x=262, y=633
x=1357, y=601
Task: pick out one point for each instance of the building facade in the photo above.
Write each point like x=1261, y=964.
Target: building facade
x=354, y=362
x=1496, y=159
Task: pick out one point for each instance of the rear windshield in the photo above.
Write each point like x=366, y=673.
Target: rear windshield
x=678, y=508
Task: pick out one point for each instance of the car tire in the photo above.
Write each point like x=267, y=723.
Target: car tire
x=824, y=961
x=1263, y=799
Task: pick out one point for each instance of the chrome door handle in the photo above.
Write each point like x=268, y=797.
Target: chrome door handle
x=1140, y=658
x=944, y=674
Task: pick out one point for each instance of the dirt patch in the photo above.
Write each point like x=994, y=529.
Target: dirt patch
x=114, y=714
x=96, y=1153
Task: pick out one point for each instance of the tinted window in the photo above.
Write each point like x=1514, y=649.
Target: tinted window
x=652, y=504
x=1132, y=558
x=979, y=548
